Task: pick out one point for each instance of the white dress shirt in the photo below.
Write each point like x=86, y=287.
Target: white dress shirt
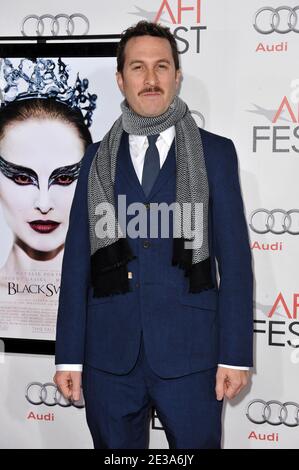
x=138, y=147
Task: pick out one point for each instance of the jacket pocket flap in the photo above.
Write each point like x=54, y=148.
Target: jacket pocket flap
x=207, y=299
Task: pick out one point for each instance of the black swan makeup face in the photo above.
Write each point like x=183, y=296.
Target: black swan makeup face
x=24, y=176
x=39, y=166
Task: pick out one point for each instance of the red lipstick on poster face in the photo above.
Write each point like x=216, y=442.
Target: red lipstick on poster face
x=44, y=226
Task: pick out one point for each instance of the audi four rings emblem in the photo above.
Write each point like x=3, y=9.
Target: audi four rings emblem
x=48, y=394
x=275, y=20
x=273, y=412
x=55, y=24
x=285, y=223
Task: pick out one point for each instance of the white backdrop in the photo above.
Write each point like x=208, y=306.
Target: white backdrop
x=237, y=78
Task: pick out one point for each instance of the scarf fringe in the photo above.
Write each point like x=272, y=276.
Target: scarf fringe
x=200, y=277
x=111, y=283
x=109, y=272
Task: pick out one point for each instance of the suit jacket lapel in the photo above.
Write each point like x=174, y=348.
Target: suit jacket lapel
x=125, y=165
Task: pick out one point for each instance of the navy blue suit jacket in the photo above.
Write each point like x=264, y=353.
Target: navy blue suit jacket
x=183, y=332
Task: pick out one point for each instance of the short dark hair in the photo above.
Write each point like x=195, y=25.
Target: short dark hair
x=145, y=28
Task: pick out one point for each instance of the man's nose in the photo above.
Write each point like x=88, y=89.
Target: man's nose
x=151, y=77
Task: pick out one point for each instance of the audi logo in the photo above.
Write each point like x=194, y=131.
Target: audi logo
x=48, y=394
x=271, y=221
x=55, y=23
x=275, y=20
x=273, y=412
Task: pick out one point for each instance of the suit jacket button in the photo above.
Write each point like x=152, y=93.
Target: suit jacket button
x=146, y=244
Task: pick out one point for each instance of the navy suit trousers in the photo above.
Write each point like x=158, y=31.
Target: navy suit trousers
x=118, y=407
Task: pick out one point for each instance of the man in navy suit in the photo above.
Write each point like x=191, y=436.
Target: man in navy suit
x=158, y=341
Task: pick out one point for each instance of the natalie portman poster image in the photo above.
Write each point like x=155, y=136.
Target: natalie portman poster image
x=51, y=110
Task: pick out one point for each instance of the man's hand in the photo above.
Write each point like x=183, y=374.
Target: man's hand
x=229, y=382
x=69, y=383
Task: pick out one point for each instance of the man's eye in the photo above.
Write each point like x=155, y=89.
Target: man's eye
x=22, y=180
x=137, y=67
x=64, y=180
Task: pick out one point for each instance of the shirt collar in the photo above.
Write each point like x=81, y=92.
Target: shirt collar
x=140, y=140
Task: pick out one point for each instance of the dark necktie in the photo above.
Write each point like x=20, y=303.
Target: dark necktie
x=151, y=166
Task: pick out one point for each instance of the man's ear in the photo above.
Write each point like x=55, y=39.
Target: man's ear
x=120, y=82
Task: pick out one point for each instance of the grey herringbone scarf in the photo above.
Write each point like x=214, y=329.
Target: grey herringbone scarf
x=111, y=253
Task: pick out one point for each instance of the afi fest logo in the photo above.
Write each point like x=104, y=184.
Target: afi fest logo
x=280, y=137
x=186, y=20
x=278, y=323
x=279, y=21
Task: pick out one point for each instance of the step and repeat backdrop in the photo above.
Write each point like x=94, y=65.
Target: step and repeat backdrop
x=240, y=80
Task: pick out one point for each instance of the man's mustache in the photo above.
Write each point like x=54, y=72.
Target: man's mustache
x=154, y=89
